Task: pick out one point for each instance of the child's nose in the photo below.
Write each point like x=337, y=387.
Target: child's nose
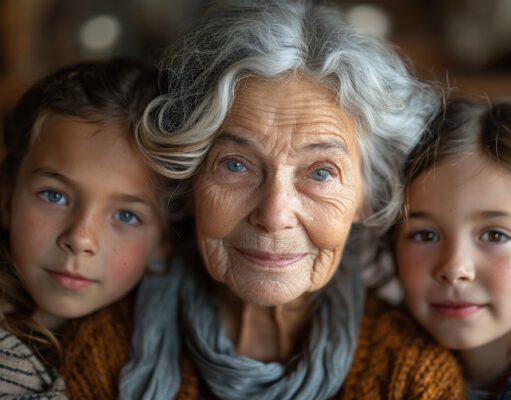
x=456, y=267
x=81, y=236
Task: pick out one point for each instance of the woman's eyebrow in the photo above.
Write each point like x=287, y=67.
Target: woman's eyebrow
x=231, y=137
x=330, y=144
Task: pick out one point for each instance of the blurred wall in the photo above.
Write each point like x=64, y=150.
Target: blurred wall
x=465, y=43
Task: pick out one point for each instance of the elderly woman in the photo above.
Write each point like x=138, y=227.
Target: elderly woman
x=286, y=127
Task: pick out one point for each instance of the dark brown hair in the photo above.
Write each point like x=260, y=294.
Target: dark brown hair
x=463, y=127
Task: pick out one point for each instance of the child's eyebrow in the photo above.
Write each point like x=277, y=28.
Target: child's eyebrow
x=419, y=215
x=129, y=198
x=494, y=214
x=483, y=214
x=52, y=174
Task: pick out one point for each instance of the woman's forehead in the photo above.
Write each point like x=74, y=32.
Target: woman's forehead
x=298, y=106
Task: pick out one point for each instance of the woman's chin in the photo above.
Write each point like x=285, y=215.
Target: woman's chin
x=268, y=293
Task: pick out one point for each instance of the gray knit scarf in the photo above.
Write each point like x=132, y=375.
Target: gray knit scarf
x=178, y=309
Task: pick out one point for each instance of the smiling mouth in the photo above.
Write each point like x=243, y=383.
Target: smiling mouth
x=270, y=260
x=456, y=310
x=70, y=281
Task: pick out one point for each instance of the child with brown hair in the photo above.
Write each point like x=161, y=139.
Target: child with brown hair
x=453, y=248
x=82, y=213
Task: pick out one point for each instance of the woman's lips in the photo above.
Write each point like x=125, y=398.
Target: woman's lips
x=271, y=260
x=457, y=310
x=71, y=281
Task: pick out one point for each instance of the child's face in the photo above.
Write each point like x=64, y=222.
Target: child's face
x=454, y=252
x=82, y=218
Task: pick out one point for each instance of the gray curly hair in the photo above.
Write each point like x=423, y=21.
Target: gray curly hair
x=269, y=39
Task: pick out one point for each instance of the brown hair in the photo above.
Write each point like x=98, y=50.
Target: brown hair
x=463, y=127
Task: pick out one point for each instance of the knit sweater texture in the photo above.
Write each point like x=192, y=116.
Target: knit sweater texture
x=95, y=349
x=394, y=359
x=23, y=376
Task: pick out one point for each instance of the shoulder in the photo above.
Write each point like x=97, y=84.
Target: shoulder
x=22, y=372
x=396, y=359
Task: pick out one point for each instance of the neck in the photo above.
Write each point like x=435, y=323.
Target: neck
x=49, y=321
x=265, y=333
x=488, y=367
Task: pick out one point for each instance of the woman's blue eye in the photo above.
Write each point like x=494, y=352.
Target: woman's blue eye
x=54, y=197
x=424, y=236
x=235, y=166
x=494, y=237
x=320, y=174
x=127, y=217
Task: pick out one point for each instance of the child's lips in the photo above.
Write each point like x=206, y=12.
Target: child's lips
x=71, y=281
x=456, y=309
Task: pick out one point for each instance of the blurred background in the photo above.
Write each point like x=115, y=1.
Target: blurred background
x=466, y=43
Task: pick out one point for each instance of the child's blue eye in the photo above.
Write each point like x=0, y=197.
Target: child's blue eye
x=320, y=174
x=127, y=217
x=54, y=197
x=235, y=166
x=424, y=236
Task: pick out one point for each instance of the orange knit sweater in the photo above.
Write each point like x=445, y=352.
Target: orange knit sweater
x=95, y=349
x=394, y=359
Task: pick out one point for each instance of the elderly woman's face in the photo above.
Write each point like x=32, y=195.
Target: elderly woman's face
x=278, y=192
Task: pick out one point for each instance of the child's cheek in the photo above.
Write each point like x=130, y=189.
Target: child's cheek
x=127, y=264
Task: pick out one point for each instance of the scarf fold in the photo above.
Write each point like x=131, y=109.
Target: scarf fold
x=179, y=306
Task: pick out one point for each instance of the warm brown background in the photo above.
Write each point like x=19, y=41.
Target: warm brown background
x=466, y=43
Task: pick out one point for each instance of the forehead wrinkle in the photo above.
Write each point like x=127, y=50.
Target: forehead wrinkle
x=325, y=115
x=310, y=131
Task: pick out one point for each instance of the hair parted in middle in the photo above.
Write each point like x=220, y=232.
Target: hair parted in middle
x=276, y=39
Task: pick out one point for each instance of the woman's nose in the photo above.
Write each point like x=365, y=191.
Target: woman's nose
x=80, y=236
x=276, y=206
x=456, y=267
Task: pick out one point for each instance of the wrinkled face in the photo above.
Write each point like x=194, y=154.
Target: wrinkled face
x=278, y=192
x=454, y=252
x=82, y=217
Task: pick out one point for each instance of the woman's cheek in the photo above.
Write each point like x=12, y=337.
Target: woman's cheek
x=218, y=210
x=215, y=257
x=328, y=223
